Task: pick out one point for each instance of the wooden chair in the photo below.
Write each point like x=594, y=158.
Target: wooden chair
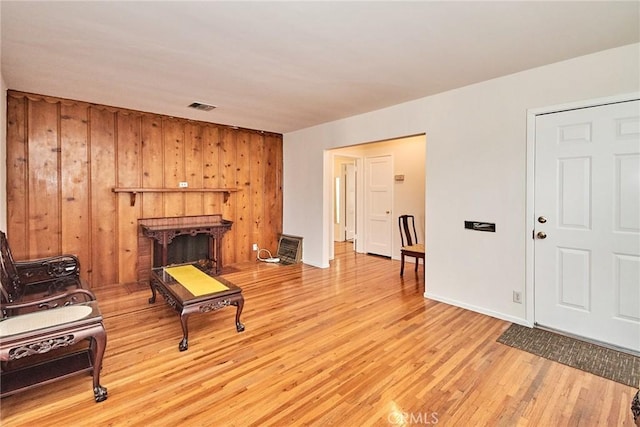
x=408, y=234
x=40, y=344
x=33, y=279
x=44, y=308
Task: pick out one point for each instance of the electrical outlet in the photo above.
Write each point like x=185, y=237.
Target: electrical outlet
x=255, y=246
x=184, y=184
x=517, y=297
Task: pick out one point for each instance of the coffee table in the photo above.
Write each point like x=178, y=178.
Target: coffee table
x=189, y=289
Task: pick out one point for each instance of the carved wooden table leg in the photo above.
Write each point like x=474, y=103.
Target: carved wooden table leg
x=205, y=307
x=153, y=292
x=239, y=303
x=184, y=342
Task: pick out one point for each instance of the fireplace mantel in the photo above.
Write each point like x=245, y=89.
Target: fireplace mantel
x=135, y=190
x=164, y=234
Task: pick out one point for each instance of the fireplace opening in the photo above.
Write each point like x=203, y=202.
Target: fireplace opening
x=183, y=248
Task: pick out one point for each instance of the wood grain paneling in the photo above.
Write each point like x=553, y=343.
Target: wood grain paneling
x=104, y=233
x=43, y=179
x=174, y=154
x=17, y=172
x=256, y=194
x=243, y=210
x=211, y=169
x=193, y=167
x=228, y=148
x=74, y=174
x=272, y=206
x=128, y=165
x=152, y=166
x=64, y=158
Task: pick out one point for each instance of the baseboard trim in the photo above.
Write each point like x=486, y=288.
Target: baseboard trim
x=478, y=309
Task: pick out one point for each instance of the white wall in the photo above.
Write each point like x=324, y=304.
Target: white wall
x=3, y=147
x=3, y=154
x=475, y=170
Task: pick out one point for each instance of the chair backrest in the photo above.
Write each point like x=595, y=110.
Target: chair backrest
x=407, y=230
x=4, y=285
x=9, y=280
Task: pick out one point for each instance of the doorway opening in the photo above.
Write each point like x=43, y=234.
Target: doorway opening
x=345, y=198
x=407, y=191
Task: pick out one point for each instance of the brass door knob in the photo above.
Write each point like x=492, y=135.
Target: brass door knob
x=541, y=235
x=542, y=219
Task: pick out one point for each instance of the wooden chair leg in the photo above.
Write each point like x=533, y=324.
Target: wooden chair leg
x=417, y=262
x=401, y=264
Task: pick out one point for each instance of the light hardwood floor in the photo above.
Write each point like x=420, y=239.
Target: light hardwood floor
x=351, y=345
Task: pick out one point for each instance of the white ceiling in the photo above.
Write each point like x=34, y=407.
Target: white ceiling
x=283, y=66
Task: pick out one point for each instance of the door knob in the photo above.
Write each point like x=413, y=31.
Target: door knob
x=542, y=219
x=541, y=235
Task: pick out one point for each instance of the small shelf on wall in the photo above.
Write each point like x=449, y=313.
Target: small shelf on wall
x=134, y=191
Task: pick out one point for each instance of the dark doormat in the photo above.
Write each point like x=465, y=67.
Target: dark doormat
x=605, y=362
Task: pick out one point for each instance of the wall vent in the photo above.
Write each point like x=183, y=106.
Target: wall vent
x=289, y=249
x=201, y=106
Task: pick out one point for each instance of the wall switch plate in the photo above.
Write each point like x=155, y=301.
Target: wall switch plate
x=255, y=246
x=517, y=297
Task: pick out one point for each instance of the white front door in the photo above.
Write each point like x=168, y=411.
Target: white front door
x=587, y=216
x=379, y=197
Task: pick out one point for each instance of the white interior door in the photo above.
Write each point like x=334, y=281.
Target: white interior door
x=379, y=197
x=587, y=236
x=350, y=201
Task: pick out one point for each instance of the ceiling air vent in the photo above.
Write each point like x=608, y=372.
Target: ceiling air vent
x=202, y=107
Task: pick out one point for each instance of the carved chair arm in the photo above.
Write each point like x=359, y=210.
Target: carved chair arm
x=47, y=269
x=67, y=298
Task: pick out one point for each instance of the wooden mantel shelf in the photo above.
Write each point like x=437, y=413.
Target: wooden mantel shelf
x=134, y=190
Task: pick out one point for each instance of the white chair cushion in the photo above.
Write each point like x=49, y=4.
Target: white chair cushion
x=42, y=319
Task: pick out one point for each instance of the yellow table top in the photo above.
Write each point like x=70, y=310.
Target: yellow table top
x=195, y=280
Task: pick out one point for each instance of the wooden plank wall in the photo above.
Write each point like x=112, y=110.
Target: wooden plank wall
x=64, y=157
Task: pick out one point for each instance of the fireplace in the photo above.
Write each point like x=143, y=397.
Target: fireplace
x=184, y=248
x=175, y=240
